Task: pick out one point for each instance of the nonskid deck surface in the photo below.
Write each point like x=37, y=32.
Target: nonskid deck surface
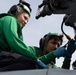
x=40, y=72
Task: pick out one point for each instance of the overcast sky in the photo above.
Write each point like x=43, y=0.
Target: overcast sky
x=36, y=29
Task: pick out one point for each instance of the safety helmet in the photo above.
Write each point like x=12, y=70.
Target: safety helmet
x=43, y=41
x=24, y=5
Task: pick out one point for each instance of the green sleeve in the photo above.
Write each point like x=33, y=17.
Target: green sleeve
x=66, y=63
x=47, y=58
x=44, y=58
x=10, y=28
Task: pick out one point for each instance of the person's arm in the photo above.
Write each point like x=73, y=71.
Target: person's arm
x=13, y=34
x=59, y=52
x=47, y=58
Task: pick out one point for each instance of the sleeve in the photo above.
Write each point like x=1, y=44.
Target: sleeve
x=16, y=44
x=47, y=58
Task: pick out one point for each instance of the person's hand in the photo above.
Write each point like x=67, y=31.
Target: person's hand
x=71, y=48
x=60, y=52
x=41, y=64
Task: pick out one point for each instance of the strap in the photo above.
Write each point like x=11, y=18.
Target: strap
x=4, y=53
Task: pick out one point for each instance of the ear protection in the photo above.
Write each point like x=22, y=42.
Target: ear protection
x=13, y=9
x=43, y=41
x=26, y=7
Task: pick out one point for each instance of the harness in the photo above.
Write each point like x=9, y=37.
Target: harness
x=9, y=54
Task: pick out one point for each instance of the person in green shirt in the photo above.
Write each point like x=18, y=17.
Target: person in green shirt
x=49, y=43
x=11, y=38
x=14, y=53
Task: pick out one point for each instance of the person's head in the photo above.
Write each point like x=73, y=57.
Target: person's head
x=50, y=42
x=21, y=11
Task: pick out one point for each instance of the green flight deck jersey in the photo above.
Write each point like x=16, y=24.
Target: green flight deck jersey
x=11, y=36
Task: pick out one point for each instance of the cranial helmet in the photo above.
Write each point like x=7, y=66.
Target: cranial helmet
x=26, y=7
x=43, y=41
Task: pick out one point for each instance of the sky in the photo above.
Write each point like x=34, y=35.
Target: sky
x=37, y=28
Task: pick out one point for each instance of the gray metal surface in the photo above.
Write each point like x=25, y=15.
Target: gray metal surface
x=69, y=10
x=41, y=72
